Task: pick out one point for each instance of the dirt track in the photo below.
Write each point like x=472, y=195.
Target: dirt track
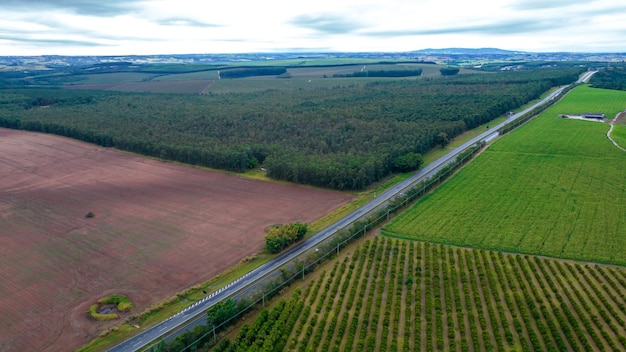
x=158, y=228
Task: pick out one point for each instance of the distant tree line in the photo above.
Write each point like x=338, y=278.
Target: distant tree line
x=252, y=71
x=448, y=71
x=382, y=73
x=609, y=79
x=341, y=137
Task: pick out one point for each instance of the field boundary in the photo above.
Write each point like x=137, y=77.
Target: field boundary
x=608, y=135
x=402, y=295
x=571, y=171
x=272, y=283
x=247, y=295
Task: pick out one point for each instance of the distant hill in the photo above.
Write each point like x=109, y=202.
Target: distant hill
x=467, y=51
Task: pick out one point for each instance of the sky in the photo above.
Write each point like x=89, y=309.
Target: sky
x=147, y=27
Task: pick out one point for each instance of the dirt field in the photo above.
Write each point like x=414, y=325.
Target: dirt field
x=158, y=228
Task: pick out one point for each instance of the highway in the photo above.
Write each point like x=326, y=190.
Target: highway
x=195, y=314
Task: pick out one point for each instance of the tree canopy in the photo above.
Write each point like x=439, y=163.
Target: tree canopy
x=609, y=79
x=449, y=71
x=280, y=237
x=341, y=137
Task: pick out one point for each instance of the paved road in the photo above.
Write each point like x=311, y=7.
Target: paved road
x=195, y=314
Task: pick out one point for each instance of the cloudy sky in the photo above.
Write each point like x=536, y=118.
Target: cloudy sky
x=125, y=27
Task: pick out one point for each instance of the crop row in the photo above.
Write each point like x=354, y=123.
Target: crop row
x=395, y=295
x=538, y=191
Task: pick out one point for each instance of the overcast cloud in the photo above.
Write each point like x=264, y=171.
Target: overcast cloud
x=124, y=27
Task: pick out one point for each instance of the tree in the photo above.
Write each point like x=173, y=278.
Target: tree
x=448, y=71
x=408, y=162
x=335, y=137
x=221, y=312
x=161, y=347
x=443, y=139
x=280, y=237
x=274, y=242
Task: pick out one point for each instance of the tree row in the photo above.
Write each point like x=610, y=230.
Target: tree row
x=340, y=137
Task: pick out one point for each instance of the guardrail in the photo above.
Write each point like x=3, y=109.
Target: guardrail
x=257, y=292
x=269, y=283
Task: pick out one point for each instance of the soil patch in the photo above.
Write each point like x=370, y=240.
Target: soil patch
x=157, y=228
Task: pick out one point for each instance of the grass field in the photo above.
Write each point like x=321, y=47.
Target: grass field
x=117, y=77
x=188, y=76
x=619, y=135
x=187, y=82
x=587, y=99
x=304, y=76
x=319, y=71
x=395, y=295
x=311, y=61
x=554, y=187
x=313, y=78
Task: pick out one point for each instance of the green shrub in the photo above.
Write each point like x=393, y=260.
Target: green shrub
x=121, y=301
x=280, y=237
x=93, y=313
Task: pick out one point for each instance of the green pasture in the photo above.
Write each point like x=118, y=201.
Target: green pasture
x=587, y=99
x=305, y=76
x=308, y=71
x=195, y=86
x=117, y=77
x=179, y=68
x=187, y=76
x=312, y=77
x=619, y=135
x=554, y=187
x=329, y=71
x=311, y=61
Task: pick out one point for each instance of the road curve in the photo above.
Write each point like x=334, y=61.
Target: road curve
x=195, y=314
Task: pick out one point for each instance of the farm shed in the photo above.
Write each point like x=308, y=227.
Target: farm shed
x=593, y=115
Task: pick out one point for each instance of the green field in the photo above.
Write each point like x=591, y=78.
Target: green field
x=304, y=77
x=587, y=99
x=619, y=135
x=428, y=70
x=109, y=78
x=212, y=74
x=554, y=187
x=175, y=87
x=394, y=295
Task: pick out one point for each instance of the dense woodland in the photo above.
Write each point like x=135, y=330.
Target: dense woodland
x=449, y=71
x=344, y=137
x=252, y=71
x=610, y=79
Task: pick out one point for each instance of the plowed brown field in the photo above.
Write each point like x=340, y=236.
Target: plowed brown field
x=158, y=228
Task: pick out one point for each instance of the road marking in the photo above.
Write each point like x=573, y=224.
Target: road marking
x=333, y=229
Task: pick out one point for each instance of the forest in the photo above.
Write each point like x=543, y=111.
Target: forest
x=340, y=137
x=610, y=79
x=252, y=71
